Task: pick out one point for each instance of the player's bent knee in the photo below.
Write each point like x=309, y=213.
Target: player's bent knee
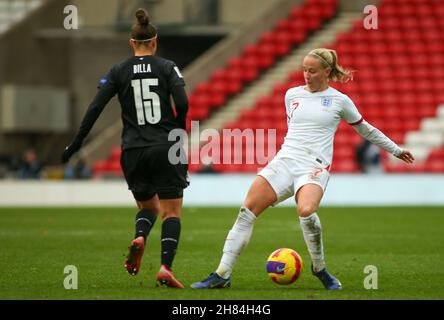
x=167, y=215
x=154, y=207
x=250, y=205
x=306, y=210
x=260, y=196
x=170, y=208
x=257, y=207
x=152, y=204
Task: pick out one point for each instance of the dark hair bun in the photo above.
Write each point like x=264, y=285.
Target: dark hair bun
x=142, y=17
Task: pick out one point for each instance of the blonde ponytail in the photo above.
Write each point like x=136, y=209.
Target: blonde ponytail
x=329, y=59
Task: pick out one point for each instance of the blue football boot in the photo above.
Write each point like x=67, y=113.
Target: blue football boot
x=329, y=282
x=214, y=281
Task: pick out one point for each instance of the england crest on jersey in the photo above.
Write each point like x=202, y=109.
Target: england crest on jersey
x=326, y=102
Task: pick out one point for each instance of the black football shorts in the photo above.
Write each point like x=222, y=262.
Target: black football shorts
x=149, y=172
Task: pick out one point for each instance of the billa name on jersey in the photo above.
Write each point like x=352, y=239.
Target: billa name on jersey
x=142, y=68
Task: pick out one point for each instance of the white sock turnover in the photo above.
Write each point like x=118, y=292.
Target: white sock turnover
x=312, y=231
x=236, y=241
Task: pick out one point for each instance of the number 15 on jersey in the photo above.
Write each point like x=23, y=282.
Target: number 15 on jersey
x=147, y=102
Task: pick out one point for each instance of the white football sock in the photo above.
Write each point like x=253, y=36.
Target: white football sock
x=236, y=241
x=312, y=231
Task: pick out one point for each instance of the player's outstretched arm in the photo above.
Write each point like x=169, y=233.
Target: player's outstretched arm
x=375, y=136
x=94, y=110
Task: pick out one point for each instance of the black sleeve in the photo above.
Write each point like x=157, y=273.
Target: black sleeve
x=174, y=76
x=176, y=85
x=107, y=90
x=181, y=101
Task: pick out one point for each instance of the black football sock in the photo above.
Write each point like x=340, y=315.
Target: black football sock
x=170, y=240
x=145, y=220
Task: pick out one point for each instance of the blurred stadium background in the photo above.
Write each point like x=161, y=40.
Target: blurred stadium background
x=238, y=59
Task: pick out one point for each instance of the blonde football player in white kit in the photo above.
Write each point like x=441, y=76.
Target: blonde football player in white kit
x=301, y=167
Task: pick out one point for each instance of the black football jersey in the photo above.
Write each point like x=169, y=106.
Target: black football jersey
x=144, y=85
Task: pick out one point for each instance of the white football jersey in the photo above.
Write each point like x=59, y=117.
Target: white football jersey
x=313, y=119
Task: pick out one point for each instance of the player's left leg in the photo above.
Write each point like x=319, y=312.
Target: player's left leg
x=170, y=181
x=170, y=211
x=308, y=198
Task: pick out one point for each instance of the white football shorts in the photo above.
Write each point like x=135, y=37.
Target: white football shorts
x=286, y=175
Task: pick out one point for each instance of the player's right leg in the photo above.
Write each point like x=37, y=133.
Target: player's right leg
x=260, y=196
x=134, y=167
x=145, y=219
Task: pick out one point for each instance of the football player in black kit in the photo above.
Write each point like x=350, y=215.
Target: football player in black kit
x=144, y=84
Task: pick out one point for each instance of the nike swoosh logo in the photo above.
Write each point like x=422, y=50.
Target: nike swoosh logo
x=280, y=269
x=217, y=285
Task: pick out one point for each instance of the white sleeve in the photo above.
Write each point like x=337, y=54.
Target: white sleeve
x=287, y=104
x=375, y=136
x=350, y=113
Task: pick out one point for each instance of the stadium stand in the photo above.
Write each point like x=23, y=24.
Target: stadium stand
x=397, y=83
x=255, y=58
x=391, y=88
x=240, y=71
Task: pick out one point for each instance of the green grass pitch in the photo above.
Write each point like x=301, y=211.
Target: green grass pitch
x=405, y=244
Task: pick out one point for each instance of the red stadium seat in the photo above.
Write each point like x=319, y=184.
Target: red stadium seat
x=114, y=167
x=234, y=74
x=251, y=63
x=435, y=166
x=116, y=152
x=100, y=167
x=296, y=13
x=233, y=87
x=217, y=100
x=219, y=87
x=346, y=165
x=425, y=10
x=198, y=114
x=267, y=49
x=219, y=75
x=407, y=10
x=283, y=25
x=203, y=88
x=313, y=24
x=411, y=125
x=313, y=13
